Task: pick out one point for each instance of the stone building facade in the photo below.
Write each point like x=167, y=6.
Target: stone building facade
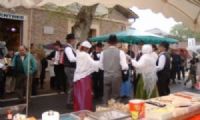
x=42, y=26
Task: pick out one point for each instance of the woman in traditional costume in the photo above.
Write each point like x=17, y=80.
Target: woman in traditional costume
x=146, y=67
x=82, y=79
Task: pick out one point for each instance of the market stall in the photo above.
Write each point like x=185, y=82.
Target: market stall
x=177, y=106
x=132, y=36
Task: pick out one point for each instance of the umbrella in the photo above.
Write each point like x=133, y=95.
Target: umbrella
x=183, y=52
x=186, y=11
x=50, y=46
x=132, y=36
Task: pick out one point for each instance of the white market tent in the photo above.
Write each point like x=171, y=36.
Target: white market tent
x=186, y=11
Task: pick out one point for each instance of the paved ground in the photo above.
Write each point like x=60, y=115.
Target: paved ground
x=57, y=101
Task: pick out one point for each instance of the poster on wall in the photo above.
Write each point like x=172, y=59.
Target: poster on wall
x=48, y=30
x=191, y=42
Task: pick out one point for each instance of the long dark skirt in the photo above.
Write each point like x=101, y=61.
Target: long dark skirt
x=141, y=92
x=83, y=94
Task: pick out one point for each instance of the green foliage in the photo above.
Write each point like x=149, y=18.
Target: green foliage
x=182, y=33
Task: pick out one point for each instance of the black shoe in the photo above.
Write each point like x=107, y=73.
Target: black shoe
x=70, y=106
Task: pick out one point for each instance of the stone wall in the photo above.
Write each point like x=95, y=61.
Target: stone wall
x=114, y=22
x=114, y=14
x=56, y=21
x=109, y=27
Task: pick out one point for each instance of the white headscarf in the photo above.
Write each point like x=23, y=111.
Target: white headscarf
x=147, y=67
x=147, y=49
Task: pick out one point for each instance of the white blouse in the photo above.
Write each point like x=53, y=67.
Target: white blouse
x=85, y=65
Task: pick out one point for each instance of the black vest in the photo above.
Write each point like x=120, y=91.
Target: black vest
x=166, y=71
x=67, y=63
x=95, y=57
x=139, y=55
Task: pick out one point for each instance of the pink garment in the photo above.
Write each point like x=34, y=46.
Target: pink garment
x=83, y=94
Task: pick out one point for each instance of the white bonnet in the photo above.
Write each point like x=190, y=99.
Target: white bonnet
x=86, y=44
x=147, y=49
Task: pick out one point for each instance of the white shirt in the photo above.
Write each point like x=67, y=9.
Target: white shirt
x=69, y=53
x=85, y=65
x=22, y=58
x=123, y=61
x=161, y=62
x=155, y=55
x=1, y=65
x=57, y=57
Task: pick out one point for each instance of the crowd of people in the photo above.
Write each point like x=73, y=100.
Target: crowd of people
x=88, y=72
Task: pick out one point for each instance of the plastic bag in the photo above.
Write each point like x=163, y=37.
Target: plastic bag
x=126, y=89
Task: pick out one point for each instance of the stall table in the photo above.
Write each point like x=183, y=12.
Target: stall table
x=178, y=106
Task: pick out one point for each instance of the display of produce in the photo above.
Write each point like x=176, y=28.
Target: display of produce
x=82, y=115
x=113, y=105
x=177, y=106
x=110, y=115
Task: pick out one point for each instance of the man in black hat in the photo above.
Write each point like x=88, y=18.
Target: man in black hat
x=112, y=61
x=97, y=77
x=70, y=64
x=57, y=57
x=163, y=69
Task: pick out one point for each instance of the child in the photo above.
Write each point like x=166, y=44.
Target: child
x=192, y=73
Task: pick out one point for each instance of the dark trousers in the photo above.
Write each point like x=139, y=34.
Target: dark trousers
x=112, y=88
x=2, y=83
x=21, y=83
x=163, y=86
x=60, y=80
x=182, y=70
x=52, y=82
x=97, y=78
x=35, y=84
x=42, y=77
x=135, y=82
x=69, y=72
x=175, y=73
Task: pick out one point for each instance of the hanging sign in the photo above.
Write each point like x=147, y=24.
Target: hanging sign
x=11, y=16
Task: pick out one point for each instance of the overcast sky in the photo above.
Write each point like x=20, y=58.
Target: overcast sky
x=149, y=20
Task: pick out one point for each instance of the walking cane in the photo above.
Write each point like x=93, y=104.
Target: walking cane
x=28, y=76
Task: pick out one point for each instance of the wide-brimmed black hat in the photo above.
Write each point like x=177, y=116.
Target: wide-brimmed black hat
x=165, y=45
x=112, y=39
x=99, y=44
x=70, y=36
x=58, y=43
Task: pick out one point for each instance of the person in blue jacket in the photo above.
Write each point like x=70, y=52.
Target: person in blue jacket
x=24, y=65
